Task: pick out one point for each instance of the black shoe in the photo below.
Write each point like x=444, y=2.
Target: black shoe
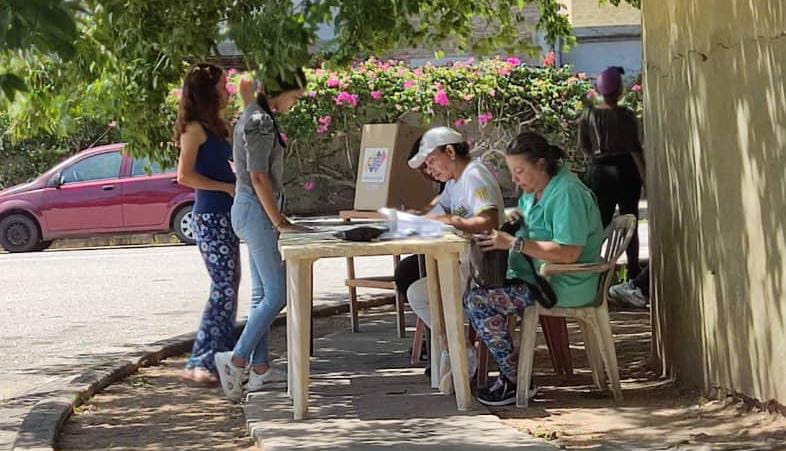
x=501, y=393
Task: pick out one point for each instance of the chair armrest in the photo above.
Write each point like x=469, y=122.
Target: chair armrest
x=550, y=269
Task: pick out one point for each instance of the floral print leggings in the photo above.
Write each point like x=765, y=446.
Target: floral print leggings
x=488, y=310
x=220, y=249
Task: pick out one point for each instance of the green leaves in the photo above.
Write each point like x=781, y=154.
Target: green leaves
x=10, y=84
x=118, y=59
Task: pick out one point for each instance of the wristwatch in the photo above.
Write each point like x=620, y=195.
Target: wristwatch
x=519, y=243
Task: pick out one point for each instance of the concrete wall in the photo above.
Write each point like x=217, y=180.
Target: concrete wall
x=599, y=47
x=715, y=121
x=588, y=13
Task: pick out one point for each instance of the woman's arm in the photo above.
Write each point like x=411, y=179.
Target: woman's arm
x=548, y=251
x=190, y=140
x=584, y=140
x=484, y=222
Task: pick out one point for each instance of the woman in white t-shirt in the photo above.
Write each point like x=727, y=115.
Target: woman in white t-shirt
x=471, y=201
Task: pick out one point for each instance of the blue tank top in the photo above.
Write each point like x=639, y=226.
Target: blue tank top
x=213, y=162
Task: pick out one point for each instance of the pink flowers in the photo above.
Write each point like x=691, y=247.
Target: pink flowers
x=345, y=98
x=324, y=124
x=591, y=94
x=177, y=93
x=333, y=81
x=441, y=97
x=284, y=137
x=409, y=84
x=231, y=72
x=505, y=70
x=550, y=59
x=485, y=118
x=376, y=95
x=312, y=94
x=513, y=61
x=310, y=184
x=458, y=123
x=635, y=88
x=231, y=89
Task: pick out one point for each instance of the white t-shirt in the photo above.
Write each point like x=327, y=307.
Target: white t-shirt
x=473, y=193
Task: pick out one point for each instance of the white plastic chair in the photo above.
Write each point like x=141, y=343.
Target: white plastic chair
x=594, y=320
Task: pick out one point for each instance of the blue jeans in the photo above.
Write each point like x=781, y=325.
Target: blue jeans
x=220, y=250
x=268, y=286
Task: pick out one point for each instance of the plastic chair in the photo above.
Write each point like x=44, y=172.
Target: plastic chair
x=594, y=319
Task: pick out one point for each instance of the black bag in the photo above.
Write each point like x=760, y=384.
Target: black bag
x=361, y=233
x=541, y=290
x=487, y=269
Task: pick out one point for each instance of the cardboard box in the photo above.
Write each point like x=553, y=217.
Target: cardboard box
x=384, y=179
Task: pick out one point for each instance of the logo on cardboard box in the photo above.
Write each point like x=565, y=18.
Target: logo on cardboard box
x=375, y=164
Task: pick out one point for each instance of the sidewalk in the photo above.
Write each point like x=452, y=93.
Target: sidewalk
x=365, y=396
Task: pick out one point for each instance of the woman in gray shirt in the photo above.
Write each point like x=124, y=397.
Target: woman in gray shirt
x=258, y=150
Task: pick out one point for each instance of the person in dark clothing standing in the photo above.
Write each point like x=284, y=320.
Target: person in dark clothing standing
x=609, y=135
x=202, y=136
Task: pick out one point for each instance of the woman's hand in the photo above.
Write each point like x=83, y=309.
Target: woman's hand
x=287, y=227
x=230, y=189
x=246, y=90
x=496, y=240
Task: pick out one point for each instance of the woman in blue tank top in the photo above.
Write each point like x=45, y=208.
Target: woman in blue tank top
x=204, y=165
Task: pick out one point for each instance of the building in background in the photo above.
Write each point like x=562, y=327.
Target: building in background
x=606, y=35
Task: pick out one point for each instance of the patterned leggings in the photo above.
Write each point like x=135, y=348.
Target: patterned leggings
x=487, y=310
x=220, y=249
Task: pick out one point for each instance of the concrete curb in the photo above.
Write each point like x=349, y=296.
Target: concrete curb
x=42, y=425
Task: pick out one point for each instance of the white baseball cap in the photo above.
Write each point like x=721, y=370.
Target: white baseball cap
x=431, y=140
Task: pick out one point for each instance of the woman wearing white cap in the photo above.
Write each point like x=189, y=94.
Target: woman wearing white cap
x=471, y=201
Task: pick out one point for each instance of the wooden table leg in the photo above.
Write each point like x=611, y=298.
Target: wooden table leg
x=451, y=286
x=437, y=327
x=290, y=328
x=353, y=296
x=353, y=293
x=401, y=325
x=299, y=284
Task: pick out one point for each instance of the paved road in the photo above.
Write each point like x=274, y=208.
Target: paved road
x=63, y=310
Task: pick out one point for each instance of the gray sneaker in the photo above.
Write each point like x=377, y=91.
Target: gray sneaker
x=629, y=294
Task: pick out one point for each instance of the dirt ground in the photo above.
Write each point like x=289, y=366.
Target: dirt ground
x=653, y=414
x=154, y=410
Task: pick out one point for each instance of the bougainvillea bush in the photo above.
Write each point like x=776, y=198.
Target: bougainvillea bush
x=489, y=100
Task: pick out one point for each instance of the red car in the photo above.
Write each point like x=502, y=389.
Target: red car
x=99, y=190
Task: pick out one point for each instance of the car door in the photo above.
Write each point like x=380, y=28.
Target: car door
x=88, y=198
x=147, y=195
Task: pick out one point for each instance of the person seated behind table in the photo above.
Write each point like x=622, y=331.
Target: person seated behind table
x=561, y=224
x=471, y=201
x=409, y=270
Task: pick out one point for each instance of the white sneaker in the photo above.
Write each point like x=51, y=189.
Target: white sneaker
x=628, y=293
x=472, y=362
x=257, y=381
x=231, y=376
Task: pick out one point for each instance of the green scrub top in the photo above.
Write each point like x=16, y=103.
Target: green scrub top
x=567, y=213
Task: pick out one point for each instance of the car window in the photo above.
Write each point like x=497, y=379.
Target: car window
x=140, y=166
x=97, y=167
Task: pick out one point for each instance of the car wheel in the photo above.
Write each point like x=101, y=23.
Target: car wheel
x=181, y=225
x=19, y=233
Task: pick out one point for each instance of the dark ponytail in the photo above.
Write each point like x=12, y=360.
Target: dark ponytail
x=275, y=86
x=534, y=147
